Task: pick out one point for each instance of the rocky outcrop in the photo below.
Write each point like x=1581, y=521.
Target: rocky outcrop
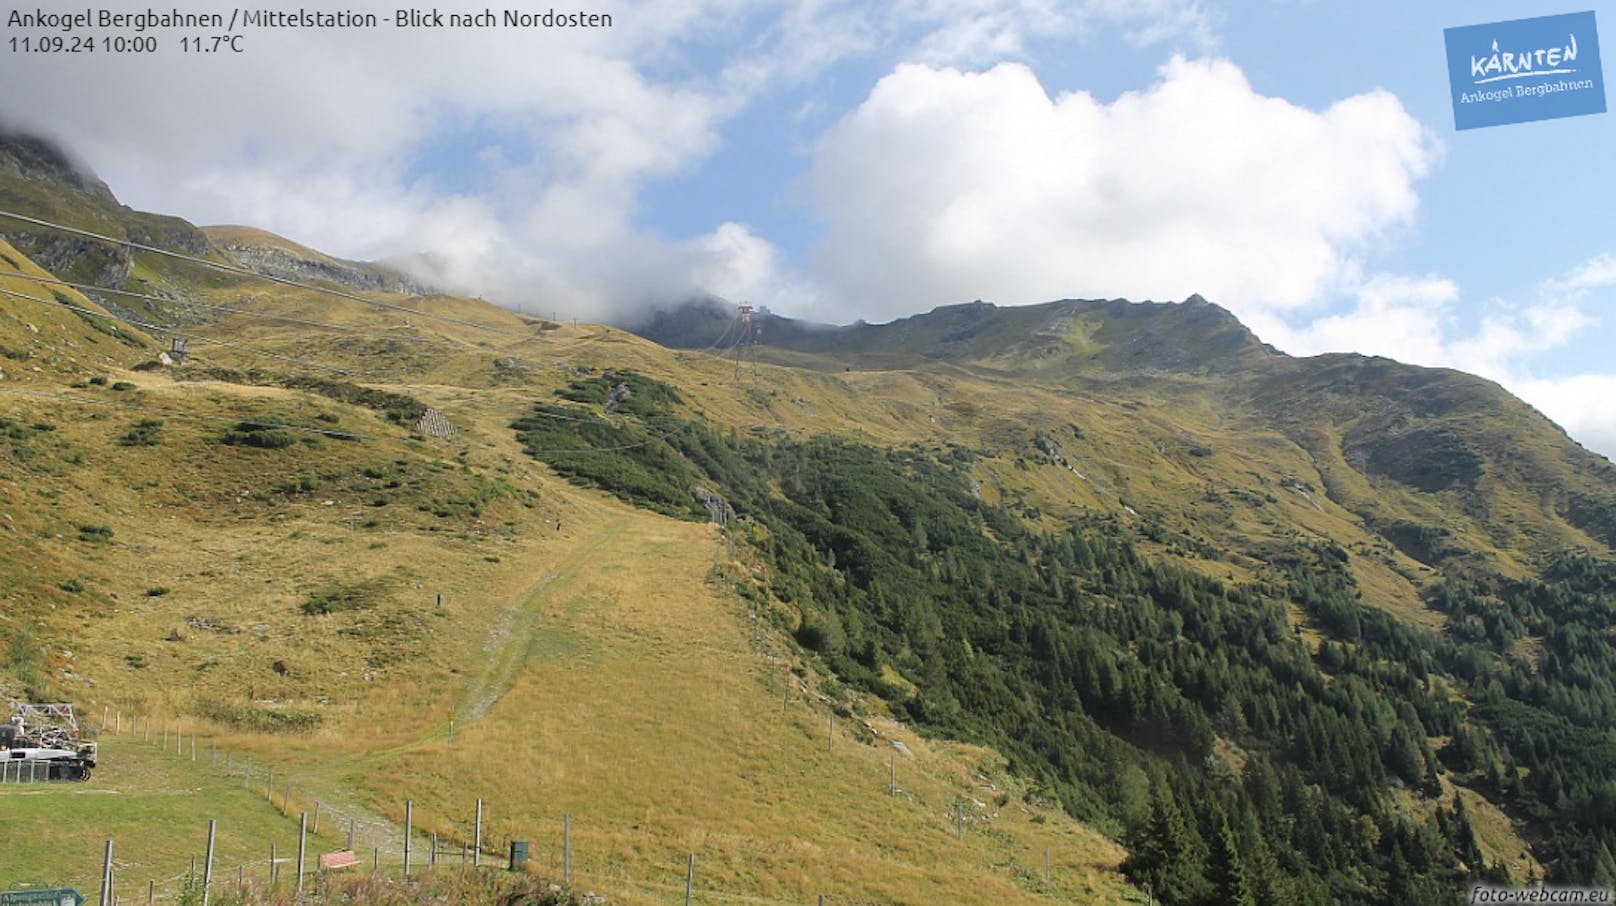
x=288, y=264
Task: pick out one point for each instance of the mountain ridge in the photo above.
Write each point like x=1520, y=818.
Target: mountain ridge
x=1428, y=429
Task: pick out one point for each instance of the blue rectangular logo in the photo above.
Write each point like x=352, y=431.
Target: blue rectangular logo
x=1525, y=70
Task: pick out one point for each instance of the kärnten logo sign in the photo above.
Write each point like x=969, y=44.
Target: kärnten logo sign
x=1525, y=70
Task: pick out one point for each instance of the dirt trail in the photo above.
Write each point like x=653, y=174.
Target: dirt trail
x=507, y=649
x=510, y=640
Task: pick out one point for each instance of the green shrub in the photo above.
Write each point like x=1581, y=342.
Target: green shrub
x=190, y=892
x=397, y=407
x=254, y=434
x=143, y=434
x=338, y=598
x=95, y=534
x=100, y=324
x=71, y=586
x=627, y=461
x=302, y=485
x=15, y=430
x=26, y=659
x=626, y=392
x=261, y=720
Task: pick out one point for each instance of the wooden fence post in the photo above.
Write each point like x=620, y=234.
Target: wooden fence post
x=207, y=867
x=302, y=847
x=106, y=877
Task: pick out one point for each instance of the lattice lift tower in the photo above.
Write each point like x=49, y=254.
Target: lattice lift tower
x=751, y=334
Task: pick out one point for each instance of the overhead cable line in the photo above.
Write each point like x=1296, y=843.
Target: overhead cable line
x=284, y=281
x=378, y=378
x=301, y=322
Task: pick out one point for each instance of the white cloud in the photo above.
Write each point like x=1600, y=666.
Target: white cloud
x=810, y=35
x=1500, y=347
x=974, y=32
x=1415, y=320
x=735, y=264
x=1156, y=21
x=1596, y=273
x=1396, y=316
x=338, y=139
x=947, y=185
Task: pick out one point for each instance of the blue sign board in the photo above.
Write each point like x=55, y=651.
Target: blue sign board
x=1525, y=70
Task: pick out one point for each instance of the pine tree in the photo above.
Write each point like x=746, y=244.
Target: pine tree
x=1263, y=873
x=1604, y=873
x=1399, y=880
x=1165, y=856
x=1464, y=837
x=1227, y=872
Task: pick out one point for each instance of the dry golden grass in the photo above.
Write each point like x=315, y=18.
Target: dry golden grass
x=642, y=711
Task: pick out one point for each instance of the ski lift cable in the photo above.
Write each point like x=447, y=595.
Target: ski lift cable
x=248, y=272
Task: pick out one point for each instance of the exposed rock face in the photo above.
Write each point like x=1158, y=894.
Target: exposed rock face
x=169, y=233
x=290, y=265
x=83, y=260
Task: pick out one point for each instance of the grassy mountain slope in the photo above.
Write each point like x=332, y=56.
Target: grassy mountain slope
x=245, y=587
x=1183, y=574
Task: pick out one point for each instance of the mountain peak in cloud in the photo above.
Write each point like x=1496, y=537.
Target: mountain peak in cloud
x=37, y=158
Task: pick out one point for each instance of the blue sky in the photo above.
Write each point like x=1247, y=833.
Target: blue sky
x=1294, y=161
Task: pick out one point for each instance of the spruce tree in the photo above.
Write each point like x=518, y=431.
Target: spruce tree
x=1166, y=855
x=1227, y=872
x=1604, y=867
